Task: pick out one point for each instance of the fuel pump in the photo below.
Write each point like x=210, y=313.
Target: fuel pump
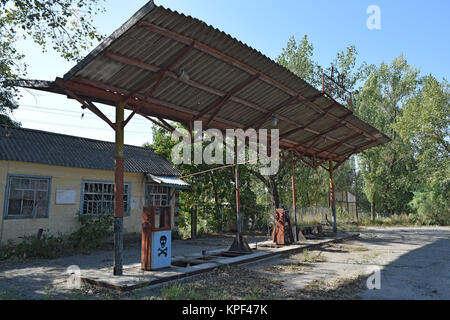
x=156, y=238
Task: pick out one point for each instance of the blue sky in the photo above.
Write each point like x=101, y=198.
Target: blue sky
x=418, y=29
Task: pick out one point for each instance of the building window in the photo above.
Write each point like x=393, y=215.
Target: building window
x=158, y=195
x=28, y=197
x=98, y=198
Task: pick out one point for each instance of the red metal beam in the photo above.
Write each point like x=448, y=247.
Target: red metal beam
x=337, y=145
x=92, y=107
x=316, y=138
x=335, y=127
x=239, y=64
x=267, y=114
x=160, y=75
x=128, y=119
x=290, y=132
x=112, y=95
x=221, y=101
x=258, y=122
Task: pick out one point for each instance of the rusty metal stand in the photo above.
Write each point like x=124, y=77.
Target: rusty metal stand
x=239, y=244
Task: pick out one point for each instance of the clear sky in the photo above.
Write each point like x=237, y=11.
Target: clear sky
x=418, y=29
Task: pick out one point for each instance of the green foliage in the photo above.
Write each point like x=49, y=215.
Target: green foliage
x=397, y=178
x=93, y=232
x=178, y=291
x=432, y=206
x=297, y=57
x=388, y=171
x=64, y=25
x=393, y=220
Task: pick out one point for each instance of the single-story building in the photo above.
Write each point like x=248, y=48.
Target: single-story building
x=48, y=179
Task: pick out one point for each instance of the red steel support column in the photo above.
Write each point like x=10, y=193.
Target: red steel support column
x=238, y=200
x=118, y=190
x=294, y=200
x=332, y=198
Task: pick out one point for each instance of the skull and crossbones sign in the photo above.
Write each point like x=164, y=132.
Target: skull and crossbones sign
x=162, y=241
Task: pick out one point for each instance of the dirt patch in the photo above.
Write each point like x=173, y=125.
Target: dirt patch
x=336, y=289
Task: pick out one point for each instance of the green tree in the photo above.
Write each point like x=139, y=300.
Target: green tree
x=425, y=124
x=312, y=185
x=64, y=25
x=388, y=171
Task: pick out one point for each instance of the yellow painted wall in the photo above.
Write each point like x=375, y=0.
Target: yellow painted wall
x=63, y=217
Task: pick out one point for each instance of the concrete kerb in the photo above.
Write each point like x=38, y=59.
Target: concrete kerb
x=175, y=273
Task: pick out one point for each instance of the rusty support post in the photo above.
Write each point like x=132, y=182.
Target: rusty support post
x=294, y=200
x=332, y=198
x=238, y=199
x=239, y=244
x=118, y=190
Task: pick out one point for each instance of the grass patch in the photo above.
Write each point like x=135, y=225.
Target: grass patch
x=308, y=257
x=337, y=289
x=228, y=283
x=10, y=294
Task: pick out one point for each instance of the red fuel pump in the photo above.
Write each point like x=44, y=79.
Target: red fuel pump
x=156, y=237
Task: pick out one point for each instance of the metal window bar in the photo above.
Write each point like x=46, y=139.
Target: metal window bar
x=98, y=198
x=31, y=193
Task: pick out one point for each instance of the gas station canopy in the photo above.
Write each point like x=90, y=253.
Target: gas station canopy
x=167, y=65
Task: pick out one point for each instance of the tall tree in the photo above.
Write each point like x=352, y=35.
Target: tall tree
x=389, y=170
x=425, y=124
x=64, y=25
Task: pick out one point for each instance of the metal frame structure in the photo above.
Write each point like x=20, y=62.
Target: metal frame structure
x=165, y=65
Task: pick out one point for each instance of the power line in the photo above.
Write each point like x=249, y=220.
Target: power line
x=80, y=127
x=36, y=108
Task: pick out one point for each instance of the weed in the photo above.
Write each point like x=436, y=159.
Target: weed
x=9, y=294
x=255, y=294
x=91, y=235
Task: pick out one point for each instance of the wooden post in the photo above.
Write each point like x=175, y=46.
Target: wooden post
x=118, y=190
x=332, y=198
x=294, y=200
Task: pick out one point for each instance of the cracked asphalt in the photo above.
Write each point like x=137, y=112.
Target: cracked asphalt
x=414, y=263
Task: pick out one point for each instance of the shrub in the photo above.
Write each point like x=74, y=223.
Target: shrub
x=432, y=207
x=93, y=232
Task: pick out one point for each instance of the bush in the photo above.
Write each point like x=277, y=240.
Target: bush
x=432, y=207
x=93, y=232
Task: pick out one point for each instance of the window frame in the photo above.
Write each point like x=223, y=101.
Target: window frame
x=149, y=194
x=125, y=213
x=6, y=201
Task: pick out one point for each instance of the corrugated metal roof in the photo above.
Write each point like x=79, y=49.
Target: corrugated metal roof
x=27, y=145
x=154, y=36
x=169, y=181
